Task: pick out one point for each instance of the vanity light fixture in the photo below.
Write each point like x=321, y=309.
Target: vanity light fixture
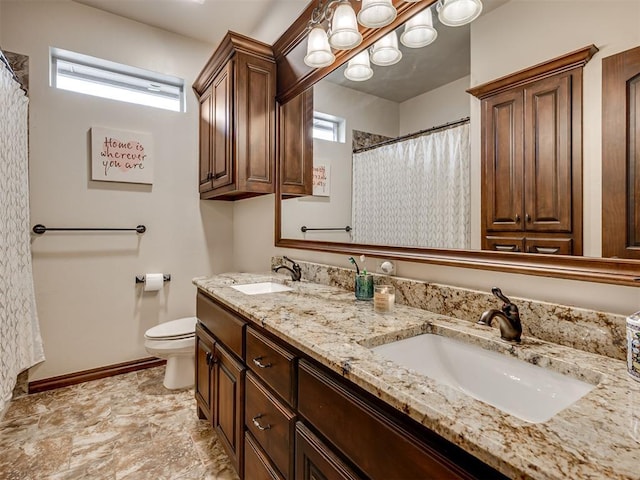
x=318, y=50
x=359, y=69
x=385, y=51
x=376, y=13
x=455, y=13
x=419, y=31
x=337, y=27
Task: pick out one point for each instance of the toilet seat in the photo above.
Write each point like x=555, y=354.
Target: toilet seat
x=174, y=330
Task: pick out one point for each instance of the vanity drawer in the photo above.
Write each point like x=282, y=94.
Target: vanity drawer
x=256, y=464
x=272, y=363
x=380, y=448
x=227, y=327
x=271, y=423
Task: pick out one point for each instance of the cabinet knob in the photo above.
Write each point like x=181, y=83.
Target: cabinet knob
x=210, y=359
x=257, y=423
x=258, y=363
x=528, y=218
x=517, y=218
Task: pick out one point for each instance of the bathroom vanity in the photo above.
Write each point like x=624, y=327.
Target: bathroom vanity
x=291, y=384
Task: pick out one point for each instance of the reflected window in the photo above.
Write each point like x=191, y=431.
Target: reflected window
x=328, y=127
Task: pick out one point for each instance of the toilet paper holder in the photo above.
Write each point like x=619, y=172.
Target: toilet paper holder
x=165, y=276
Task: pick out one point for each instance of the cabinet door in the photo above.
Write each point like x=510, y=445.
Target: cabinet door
x=502, y=175
x=204, y=385
x=222, y=128
x=229, y=401
x=206, y=128
x=548, y=155
x=296, y=145
x=621, y=154
x=315, y=461
x=255, y=133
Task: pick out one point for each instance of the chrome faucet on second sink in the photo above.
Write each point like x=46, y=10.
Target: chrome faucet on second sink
x=508, y=318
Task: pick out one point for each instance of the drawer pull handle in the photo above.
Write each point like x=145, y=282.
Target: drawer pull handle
x=260, y=364
x=257, y=423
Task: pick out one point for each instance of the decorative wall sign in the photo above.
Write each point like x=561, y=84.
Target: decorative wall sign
x=321, y=180
x=121, y=156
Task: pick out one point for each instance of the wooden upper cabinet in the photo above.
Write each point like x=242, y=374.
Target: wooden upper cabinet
x=621, y=154
x=548, y=158
x=502, y=173
x=296, y=145
x=532, y=157
x=236, y=89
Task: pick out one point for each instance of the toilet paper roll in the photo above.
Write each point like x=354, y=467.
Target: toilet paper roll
x=153, y=282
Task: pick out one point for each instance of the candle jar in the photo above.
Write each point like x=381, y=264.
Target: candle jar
x=384, y=297
x=364, y=287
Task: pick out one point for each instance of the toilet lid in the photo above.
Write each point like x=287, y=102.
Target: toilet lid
x=183, y=327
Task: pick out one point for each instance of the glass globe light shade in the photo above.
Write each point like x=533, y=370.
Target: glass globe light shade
x=376, y=13
x=344, y=28
x=358, y=68
x=419, y=31
x=318, y=50
x=455, y=13
x=385, y=51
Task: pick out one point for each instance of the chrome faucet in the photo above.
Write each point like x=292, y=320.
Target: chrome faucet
x=508, y=318
x=294, y=269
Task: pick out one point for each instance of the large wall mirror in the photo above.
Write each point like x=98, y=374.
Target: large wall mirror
x=434, y=215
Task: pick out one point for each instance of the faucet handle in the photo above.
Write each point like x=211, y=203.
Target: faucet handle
x=498, y=293
x=509, y=308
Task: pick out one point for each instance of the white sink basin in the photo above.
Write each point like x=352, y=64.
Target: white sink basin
x=260, y=288
x=514, y=386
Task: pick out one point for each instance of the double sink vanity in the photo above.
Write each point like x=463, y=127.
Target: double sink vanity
x=301, y=380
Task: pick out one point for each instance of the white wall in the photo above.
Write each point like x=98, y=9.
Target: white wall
x=613, y=29
x=91, y=312
x=362, y=112
x=441, y=105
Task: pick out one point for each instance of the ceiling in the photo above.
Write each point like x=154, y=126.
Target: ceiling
x=442, y=62
x=209, y=20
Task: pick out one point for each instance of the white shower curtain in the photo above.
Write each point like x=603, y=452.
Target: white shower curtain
x=20, y=341
x=415, y=192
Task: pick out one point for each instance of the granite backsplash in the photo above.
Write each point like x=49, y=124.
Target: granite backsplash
x=587, y=330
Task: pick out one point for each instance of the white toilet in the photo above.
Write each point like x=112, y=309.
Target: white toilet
x=175, y=341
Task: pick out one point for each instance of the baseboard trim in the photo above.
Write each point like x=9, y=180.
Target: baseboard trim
x=93, y=374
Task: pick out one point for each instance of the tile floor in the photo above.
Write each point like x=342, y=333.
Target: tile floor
x=123, y=427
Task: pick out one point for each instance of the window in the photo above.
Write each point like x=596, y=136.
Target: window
x=328, y=127
x=94, y=76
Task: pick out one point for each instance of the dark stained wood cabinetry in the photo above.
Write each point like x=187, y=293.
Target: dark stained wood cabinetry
x=285, y=417
x=296, y=145
x=621, y=154
x=220, y=375
x=315, y=461
x=532, y=158
x=236, y=89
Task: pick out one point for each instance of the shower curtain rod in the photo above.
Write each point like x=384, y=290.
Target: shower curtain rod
x=8, y=65
x=419, y=133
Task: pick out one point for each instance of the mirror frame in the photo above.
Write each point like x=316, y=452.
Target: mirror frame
x=293, y=77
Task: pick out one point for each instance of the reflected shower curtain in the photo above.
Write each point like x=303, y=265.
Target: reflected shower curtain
x=415, y=192
x=20, y=341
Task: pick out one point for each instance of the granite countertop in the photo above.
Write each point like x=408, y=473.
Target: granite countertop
x=590, y=439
